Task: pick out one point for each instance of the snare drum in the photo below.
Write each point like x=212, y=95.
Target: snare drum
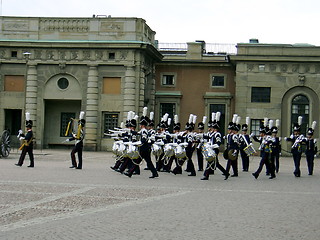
x=156, y=150
x=249, y=150
x=168, y=150
x=133, y=152
x=208, y=153
x=180, y=152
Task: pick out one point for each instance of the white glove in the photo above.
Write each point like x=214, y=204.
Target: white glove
x=68, y=140
x=285, y=138
x=315, y=155
x=20, y=131
x=251, y=135
x=215, y=146
x=21, y=138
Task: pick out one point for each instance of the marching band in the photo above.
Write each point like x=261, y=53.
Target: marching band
x=178, y=147
x=131, y=146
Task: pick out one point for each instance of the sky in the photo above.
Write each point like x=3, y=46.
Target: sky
x=181, y=21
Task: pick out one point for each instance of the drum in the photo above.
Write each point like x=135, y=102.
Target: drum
x=208, y=153
x=168, y=150
x=180, y=152
x=249, y=150
x=133, y=151
x=232, y=156
x=156, y=150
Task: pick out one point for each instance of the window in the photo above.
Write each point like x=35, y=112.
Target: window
x=14, y=83
x=65, y=118
x=13, y=120
x=14, y=54
x=168, y=80
x=111, y=85
x=63, y=83
x=112, y=56
x=222, y=109
x=217, y=81
x=300, y=107
x=110, y=121
x=260, y=94
x=255, y=126
x=169, y=108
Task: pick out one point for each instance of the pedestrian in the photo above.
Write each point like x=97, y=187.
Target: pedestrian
x=27, y=145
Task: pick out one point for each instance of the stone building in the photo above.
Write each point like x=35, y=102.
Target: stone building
x=54, y=68
x=278, y=81
x=194, y=80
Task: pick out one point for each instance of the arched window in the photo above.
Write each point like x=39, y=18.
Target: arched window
x=300, y=107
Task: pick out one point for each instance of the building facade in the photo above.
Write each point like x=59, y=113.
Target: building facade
x=195, y=81
x=54, y=68
x=278, y=81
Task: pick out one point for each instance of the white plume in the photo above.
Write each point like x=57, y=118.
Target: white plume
x=176, y=119
x=194, y=119
x=277, y=123
x=265, y=121
x=204, y=119
x=218, y=115
x=81, y=116
x=313, y=125
x=248, y=120
x=121, y=125
x=165, y=117
x=299, y=120
x=234, y=119
x=238, y=120
x=27, y=116
x=136, y=117
x=169, y=121
x=144, y=111
x=190, y=118
x=151, y=115
x=213, y=116
x=270, y=124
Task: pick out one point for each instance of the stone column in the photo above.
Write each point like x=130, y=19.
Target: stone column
x=31, y=97
x=92, y=109
x=129, y=93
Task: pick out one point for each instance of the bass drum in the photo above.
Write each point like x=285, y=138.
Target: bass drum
x=133, y=152
x=180, y=152
x=168, y=150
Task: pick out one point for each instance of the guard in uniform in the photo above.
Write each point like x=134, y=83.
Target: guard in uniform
x=244, y=141
x=265, y=151
x=233, y=146
x=199, y=142
x=215, y=140
x=276, y=146
x=311, y=148
x=145, y=148
x=190, y=147
x=27, y=145
x=296, y=149
x=78, y=147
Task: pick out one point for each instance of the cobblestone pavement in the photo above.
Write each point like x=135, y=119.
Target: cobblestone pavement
x=52, y=201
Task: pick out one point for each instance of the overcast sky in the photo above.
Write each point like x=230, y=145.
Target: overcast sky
x=181, y=21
